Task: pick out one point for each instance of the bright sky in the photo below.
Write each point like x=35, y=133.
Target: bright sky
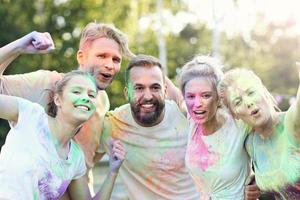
x=241, y=17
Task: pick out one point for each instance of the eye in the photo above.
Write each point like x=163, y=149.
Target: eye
x=250, y=93
x=100, y=56
x=207, y=96
x=116, y=60
x=92, y=95
x=138, y=88
x=76, y=92
x=156, y=88
x=237, y=103
x=190, y=96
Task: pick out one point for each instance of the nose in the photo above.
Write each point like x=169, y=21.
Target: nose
x=198, y=102
x=248, y=102
x=147, y=94
x=85, y=98
x=108, y=64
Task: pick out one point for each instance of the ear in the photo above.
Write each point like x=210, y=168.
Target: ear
x=57, y=100
x=125, y=92
x=80, y=57
x=165, y=90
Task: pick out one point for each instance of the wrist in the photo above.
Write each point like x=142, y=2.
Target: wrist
x=112, y=173
x=19, y=45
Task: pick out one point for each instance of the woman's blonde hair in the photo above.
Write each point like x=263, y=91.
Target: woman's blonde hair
x=201, y=67
x=232, y=76
x=95, y=30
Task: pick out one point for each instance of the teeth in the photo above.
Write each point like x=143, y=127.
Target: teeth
x=199, y=112
x=147, y=105
x=106, y=75
x=83, y=108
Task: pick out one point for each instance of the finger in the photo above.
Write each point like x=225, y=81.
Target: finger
x=252, y=195
x=121, y=148
x=42, y=42
x=50, y=40
x=118, y=145
x=251, y=188
x=119, y=156
x=120, y=152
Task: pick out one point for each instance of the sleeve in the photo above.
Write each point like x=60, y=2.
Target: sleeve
x=80, y=169
x=28, y=112
x=249, y=146
x=31, y=86
x=105, y=136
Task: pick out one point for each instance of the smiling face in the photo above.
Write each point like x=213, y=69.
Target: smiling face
x=103, y=58
x=146, y=94
x=201, y=100
x=248, y=102
x=77, y=102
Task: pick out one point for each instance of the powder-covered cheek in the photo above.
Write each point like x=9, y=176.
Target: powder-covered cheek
x=189, y=106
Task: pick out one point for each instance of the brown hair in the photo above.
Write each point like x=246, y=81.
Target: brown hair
x=95, y=30
x=59, y=87
x=142, y=61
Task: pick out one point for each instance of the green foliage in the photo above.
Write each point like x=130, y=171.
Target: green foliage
x=270, y=54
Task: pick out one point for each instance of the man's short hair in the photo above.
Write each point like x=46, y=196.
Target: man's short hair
x=95, y=30
x=142, y=60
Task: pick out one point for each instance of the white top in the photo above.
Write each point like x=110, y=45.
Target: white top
x=154, y=167
x=218, y=163
x=30, y=167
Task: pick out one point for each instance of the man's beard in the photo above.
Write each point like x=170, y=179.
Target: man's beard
x=151, y=118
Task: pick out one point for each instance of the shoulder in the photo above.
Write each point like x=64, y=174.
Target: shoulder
x=172, y=107
x=27, y=105
x=121, y=111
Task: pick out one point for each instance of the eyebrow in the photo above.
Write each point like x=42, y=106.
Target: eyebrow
x=80, y=87
x=156, y=84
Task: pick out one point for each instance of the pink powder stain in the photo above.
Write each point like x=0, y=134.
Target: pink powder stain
x=198, y=153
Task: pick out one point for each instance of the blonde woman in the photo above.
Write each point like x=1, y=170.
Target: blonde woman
x=215, y=156
x=274, y=142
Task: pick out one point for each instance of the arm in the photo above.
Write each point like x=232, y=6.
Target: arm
x=9, y=108
x=292, y=118
x=78, y=189
x=175, y=94
x=32, y=43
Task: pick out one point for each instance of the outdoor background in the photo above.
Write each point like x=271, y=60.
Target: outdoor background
x=258, y=34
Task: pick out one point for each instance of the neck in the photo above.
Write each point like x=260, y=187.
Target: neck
x=211, y=126
x=268, y=128
x=62, y=131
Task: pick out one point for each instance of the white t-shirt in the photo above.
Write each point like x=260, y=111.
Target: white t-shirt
x=154, y=166
x=218, y=163
x=30, y=167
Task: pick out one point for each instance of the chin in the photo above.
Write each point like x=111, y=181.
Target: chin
x=200, y=121
x=102, y=86
x=82, y=118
